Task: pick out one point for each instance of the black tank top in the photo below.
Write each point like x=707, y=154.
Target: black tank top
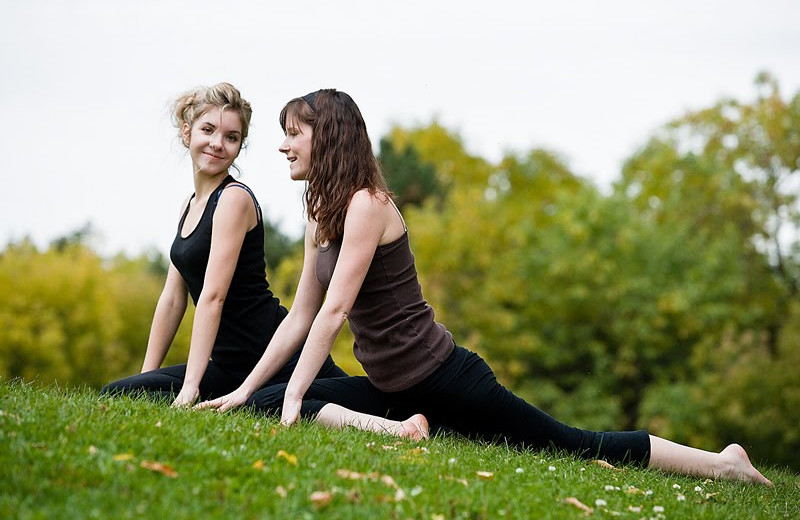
x=251, y=313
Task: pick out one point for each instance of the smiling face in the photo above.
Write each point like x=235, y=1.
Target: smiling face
x=214, y=140
x=297, y=147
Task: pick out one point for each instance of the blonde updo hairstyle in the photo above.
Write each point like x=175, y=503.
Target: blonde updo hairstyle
x=196, y=102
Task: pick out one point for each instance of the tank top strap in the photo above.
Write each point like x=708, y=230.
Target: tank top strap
x=405, y=227
x=230, y=182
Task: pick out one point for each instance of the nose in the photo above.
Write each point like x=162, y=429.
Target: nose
x=284, y=147
x=216, y=141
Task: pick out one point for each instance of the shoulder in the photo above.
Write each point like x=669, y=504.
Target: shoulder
x=366, y=203
x=236, y=196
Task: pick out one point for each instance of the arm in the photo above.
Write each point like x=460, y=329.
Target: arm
x=365, y=225
x=289, y=335
x=168, y=315
x=234, y=215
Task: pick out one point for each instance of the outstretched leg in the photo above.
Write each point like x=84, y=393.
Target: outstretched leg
x=732, y=463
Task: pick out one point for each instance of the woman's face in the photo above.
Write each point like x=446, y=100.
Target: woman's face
x=214, y=140
x=297, y=147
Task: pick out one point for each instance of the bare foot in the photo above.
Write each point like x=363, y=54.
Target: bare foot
x=738, y=466
x=415, y=427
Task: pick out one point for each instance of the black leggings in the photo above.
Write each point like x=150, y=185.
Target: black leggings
x=464, y=395
x=217, y=380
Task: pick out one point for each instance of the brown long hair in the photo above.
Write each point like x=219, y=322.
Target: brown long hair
x=341, y=162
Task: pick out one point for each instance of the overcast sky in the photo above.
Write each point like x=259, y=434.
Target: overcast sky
x=85, y=87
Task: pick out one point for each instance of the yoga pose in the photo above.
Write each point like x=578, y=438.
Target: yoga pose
x=359, y=268
x=218, y=258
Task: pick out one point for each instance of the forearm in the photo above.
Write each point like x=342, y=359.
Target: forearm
x=318, y=346
x=166, y=320
x=204, y=332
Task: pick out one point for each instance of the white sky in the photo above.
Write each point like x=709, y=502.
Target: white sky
x=85, y=86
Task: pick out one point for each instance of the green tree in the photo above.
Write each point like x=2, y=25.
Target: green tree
x=411, y=180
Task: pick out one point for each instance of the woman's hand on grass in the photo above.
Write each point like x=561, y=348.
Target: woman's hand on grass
x=291, y=410
x=186, y=397
x=227, y=402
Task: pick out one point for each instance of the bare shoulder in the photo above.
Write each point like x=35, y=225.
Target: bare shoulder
x=366, y=203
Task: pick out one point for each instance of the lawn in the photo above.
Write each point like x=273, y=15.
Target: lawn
x=67, y=453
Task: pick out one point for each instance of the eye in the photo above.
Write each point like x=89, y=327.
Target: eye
x=233, y=138
x=206, y=129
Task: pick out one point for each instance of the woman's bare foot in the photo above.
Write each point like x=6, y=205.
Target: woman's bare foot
x=737, y=466
x=415, y=427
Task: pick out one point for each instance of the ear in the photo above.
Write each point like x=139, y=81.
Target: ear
x=186, y=132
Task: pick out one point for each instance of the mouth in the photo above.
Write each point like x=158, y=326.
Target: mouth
x=213, y=156
x=291, y=159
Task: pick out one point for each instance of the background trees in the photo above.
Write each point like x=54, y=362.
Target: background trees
x=668, y=302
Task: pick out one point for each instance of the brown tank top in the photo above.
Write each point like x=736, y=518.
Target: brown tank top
x=397, y=340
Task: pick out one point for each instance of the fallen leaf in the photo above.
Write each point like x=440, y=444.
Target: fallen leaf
x=272, y=432
x=485, y=475
x=580, y=505
x=349, y=474
x=164, y=469
x=281, y=491
x=459, y=480
x=399, y=495
x=389, y=481
x=353, y=496
x=320, y=499
x=158, y=424
x=259, y=464
x=603, y=464
x=92, y=450
x=122, y=456
x=291, y=459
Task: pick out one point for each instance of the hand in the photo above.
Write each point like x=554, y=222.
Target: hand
x=222, y=404
x=186, y=397
x=291, y=410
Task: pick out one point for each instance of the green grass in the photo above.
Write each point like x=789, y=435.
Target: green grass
x=72, y=454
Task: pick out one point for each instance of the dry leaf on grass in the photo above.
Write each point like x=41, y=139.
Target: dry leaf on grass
x=321, y=499
x=259, y=464
x=580, y=505
x=485, y=475
x=603, y=464
x=158, y=467
x=281, y=491
x=462, y=481
x=122, y=456
x=291, y=459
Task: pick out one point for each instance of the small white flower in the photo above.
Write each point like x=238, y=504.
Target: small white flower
x=681, y=498
x=600, y=502
x=583, y=469
x=658, y=509
x=520, y=470
x=635, y=509
x=698, y=489
x=609, y=488
x=676, y=486
x=551, y=468
x=648, y=492
x=451, y=461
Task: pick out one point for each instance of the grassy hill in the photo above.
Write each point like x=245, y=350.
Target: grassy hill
x=71, y=454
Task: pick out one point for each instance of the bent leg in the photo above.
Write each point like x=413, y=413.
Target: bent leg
x=167, y=382
x=344, y=401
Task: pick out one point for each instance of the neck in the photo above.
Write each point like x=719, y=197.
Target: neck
x=205, y=184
